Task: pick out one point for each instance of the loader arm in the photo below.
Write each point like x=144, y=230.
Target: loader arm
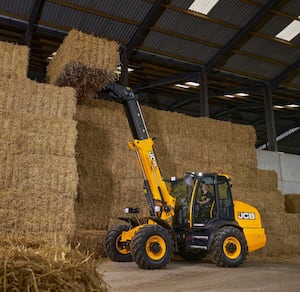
x=161, y=202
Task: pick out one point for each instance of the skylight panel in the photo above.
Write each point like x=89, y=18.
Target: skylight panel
x=203, y=6
x=290, y=31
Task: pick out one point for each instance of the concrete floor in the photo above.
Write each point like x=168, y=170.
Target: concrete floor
x=182, y=276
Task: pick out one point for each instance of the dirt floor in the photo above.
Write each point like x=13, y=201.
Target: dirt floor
x=185, y=276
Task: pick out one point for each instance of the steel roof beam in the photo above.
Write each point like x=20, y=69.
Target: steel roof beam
x=242, y=32
x=279, y=78
x=33, y=20
x=190, y=76
x=152, y=16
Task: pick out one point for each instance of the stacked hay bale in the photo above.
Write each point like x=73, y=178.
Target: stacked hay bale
x=292, y=203
x=38, y=177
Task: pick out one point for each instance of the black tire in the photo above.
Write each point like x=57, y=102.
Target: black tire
x=229, y=248
x=193, y=255
x=152, y=247
x=112, y=247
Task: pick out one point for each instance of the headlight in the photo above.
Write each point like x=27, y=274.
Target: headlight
x=157, y=209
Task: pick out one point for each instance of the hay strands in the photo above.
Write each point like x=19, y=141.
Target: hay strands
x=24, y=269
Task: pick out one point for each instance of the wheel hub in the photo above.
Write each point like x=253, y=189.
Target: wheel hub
x=155, y=247
x=231, y=247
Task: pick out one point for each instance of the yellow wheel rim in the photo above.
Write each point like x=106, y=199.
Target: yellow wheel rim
x=119, y=249
x=232, y=247
x=156, y=247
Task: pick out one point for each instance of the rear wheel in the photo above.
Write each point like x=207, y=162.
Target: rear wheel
x=152, y=247
x=114, y=249
x=229, y=248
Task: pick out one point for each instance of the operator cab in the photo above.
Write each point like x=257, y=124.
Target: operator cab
x=202, y=198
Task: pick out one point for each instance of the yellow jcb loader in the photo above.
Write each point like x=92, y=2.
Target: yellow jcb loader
x=225, y=229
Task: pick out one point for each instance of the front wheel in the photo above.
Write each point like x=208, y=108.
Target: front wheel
x=113, y=246
x=229, y=248
x=152, y=247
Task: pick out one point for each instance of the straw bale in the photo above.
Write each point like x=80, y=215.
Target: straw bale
x=36, y=99
x=267, y=179
x=103, y=114
x=46, y=214
x=93, y=204
x=24, y=133
x=240, y=154
x=293, y=223
x=242, y=134
x=38, y=172
x=13, y=60
x=90, y=241
x=243, y=176
x=48, y=269
x=84, y=62
x=292, y=203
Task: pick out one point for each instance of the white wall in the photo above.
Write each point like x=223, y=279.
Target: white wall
x=287, y=167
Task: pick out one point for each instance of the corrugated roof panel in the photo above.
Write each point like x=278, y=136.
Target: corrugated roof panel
x=121, y=32
x=234, y=11
x=133, y=9
x=276, y=24
x=246, y=64
x=177, y=46
x=296, y=80
x=87, y=22
x=296, y=40
x=271, y=49
x=196, y=27
x=261, y=1
x=19, y=7
x=292, y=7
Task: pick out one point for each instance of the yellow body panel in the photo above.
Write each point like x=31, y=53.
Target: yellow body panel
x=249, y=219
x=150, y=170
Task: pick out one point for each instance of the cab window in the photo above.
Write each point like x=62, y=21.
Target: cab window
x=225, y=199
x=204, y=207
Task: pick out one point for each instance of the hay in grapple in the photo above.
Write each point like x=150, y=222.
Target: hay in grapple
x=84, y=62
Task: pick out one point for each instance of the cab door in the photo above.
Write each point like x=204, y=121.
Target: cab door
x=203, y=203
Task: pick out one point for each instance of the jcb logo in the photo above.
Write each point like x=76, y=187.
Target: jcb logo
x=246, y=215
x=152, y=158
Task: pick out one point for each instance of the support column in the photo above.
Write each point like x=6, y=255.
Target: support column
x=124, y=68
x=203, y=94
x=270, y=119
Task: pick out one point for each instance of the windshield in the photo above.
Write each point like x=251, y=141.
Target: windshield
x=182, y=190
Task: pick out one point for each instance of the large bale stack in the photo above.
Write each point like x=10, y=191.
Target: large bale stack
x=38, y=177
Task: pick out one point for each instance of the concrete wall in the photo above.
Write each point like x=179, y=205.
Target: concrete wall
x=287, y=167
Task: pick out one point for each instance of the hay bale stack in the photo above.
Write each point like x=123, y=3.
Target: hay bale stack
x=292, y=203
x=84, y=62
x=13, y=60
x=38, y=176
x=106, y=167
